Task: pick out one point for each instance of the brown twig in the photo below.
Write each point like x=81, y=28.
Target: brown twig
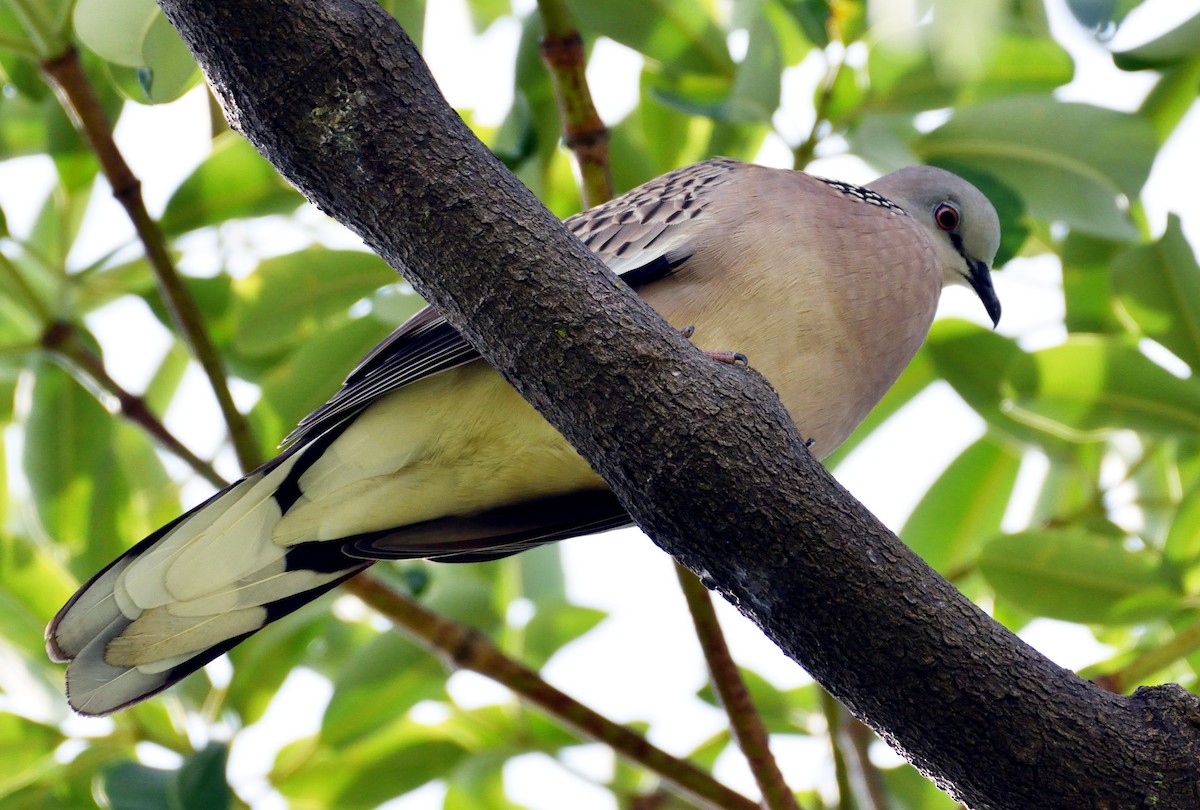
x=463, y=648
x=744, y=719
x=65, y=74
x=583, y=131
x=62, y=339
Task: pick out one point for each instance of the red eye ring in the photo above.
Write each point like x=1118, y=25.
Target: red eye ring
x=946, y=216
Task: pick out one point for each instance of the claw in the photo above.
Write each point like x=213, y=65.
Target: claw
x=731, y=358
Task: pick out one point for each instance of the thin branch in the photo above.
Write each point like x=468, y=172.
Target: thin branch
x=744, y=719
x=463, y=648
x=66, y=76
x=874, y=791
x=62, y=339
x=833, y=712
x=583, y=130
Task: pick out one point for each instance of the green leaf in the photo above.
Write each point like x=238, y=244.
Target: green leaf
x=379, y=683
x=33, y=586
x=411, y=16
x=200, y=784
x=1157, y=287
x=1087, y=288
x=133, y=786
x=975, y=361
x=1070, y=162
x=311, y=374
x=234, y=181
x=168, y=69
x=68, y=461
x=400, y=758
x=1171, y=98
x=283, y=302
x=679, y=34
x=756, y=87
x=26, y=748
x=964, y=506
x=1076, y=576
x=553, y=626
x=1181, y=42
x=912, y=791
x=115, y=31
x=1091, y=385
x=905, y=79
x=813, y=19
x=1182, y=546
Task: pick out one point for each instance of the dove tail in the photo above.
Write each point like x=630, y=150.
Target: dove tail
x=189, y=592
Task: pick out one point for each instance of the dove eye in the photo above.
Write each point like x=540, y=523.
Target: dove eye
x=946, y=216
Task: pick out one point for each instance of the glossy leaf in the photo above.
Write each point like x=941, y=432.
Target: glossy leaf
x=1091, y=385
x=1158, y=289
x=1076, y=576
x=115, y=31
x=235, y=181
x=1070, y=162
x=285, y=299
x=964, y=506
x=1181, y=42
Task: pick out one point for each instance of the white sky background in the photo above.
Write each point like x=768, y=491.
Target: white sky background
x=642, y=663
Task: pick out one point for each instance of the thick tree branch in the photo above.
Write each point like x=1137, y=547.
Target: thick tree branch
x=704, y=456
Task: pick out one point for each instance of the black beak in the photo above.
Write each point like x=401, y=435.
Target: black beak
x=980, y=280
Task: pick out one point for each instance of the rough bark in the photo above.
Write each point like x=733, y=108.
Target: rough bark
x=704, y=456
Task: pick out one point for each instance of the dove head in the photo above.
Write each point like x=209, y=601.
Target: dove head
x=961, y=222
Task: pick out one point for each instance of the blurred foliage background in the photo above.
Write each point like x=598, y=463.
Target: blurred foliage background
x=1078, y=501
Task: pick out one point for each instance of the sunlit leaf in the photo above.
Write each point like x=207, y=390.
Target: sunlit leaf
x=1076, y=576
x=680, y=34
x=1181, y=42
x=284, y=300
x=1090, y=385
x=235, y=181
x=1158, y=288
x=964, y=506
